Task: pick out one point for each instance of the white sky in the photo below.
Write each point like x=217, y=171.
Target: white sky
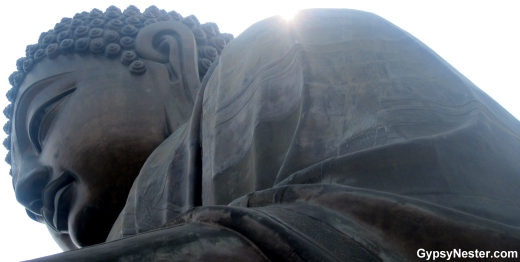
x=479, y=38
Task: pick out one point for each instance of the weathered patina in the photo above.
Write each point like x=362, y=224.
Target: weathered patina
x=336, y=136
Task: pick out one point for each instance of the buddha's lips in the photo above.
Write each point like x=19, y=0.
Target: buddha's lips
x=56, y=202
x=62, y=202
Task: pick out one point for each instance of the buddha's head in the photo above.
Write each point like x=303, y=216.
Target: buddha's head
x=89, y=104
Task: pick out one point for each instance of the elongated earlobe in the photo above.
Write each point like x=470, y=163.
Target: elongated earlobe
x=173, y=43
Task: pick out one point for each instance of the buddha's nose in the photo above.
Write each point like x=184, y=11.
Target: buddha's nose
x=29, y=186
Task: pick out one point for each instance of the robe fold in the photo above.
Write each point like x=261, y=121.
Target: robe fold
x=334, y=136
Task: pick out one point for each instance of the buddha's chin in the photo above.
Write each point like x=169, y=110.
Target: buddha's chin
x=89, y=224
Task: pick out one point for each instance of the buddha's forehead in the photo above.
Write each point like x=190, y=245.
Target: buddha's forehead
x=73, y=66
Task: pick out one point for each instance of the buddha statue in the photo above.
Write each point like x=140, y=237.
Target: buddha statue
x=335, y=136
x=85, y=55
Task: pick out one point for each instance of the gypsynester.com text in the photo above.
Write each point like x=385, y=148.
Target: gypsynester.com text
x=458, y=253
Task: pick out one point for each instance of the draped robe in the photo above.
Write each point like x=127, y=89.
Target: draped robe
x=334, y=136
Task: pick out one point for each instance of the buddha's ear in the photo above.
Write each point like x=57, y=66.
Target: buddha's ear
x=171, y=43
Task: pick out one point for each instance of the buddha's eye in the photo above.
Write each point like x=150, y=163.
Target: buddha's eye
x=43, y=118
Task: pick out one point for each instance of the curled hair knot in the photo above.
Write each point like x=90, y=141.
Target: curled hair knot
x=60, y=27
x=130, y=12
x=188, y=21
x=42, y=35
x=150, y=21
x=16, y=78
x=153, y=10
x=66, y=20
x=137, y=67
x=52, y=51
x=19, y=63
x=128, y=57
x=97, y=22
x=8, y=158
x=112, y=14
x=63, y=35
x=82, y=45
x=7, y=127
x=148, y=15
x=39, y=55
x=8, y=110
x=95, y=33
x=80, y=16
x=115, y=24
x=208, y=52
x=11, y=94
x=112, y=50
x=227, y=37
x=129, y=30
x=47, y=40
x=111, y=36
x=81, y=31
x=127, y=42
x=11, y=77
x=194, y=19
x=200, y=36
x=31, y=49
x=75, y=23
x=113, y=8
x=175, y=16
x=97, y=45
x=204, y=65
x=66, y=46
x=215, y=27
x=95, y=14
x=134, y=21
x=134, y=8
x=7, y=142
x=218, y=42
x=27, y=65
x=165, y=17
x=208, y=29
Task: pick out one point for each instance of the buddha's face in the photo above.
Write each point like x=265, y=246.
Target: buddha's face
x=83, y=127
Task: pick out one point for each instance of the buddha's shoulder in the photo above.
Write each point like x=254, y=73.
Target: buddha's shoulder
x=271, y=38
x=314, y=26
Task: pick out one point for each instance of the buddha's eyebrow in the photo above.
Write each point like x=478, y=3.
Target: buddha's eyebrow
x=35, y=94
x=44, y=81
x=33, y=98
x=39, y=113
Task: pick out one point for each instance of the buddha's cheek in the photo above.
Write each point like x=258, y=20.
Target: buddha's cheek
x=104, y=170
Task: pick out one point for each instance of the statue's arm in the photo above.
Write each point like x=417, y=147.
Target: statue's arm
x=308, y=222
x=190, y=242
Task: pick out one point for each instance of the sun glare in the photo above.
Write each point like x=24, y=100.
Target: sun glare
x=288, y=14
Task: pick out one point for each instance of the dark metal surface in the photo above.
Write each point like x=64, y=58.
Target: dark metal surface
x=334, y=137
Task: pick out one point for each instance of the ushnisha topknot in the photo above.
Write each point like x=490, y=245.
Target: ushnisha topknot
x=111, y=34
